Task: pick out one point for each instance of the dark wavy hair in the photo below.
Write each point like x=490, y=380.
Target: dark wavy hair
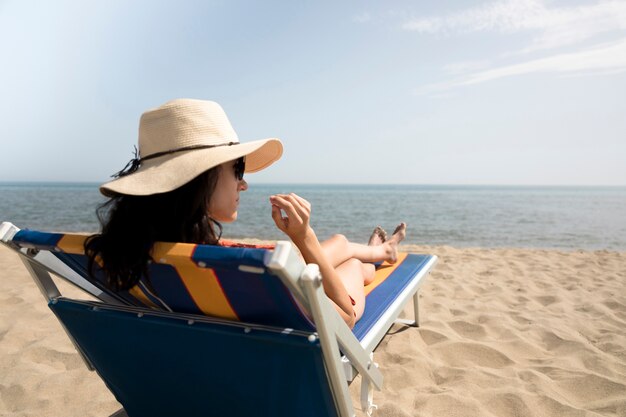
x=132, y=224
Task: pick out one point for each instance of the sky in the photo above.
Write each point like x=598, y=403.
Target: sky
x=524, y=92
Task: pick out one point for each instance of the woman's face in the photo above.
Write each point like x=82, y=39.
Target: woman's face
x=225, y=199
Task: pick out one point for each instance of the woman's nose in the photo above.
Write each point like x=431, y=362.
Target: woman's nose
x=243, y=185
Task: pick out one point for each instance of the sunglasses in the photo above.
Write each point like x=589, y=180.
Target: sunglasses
x=240, y=168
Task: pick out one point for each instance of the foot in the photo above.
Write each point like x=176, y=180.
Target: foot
x=378, y=237
x=392, y=244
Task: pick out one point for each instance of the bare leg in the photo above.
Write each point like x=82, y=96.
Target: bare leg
x=378, y=237
x=369, y=273
x=338, y=249
x=351, y=274
x=353, y=262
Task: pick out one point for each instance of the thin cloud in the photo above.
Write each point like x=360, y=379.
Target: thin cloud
x=504, y=16
x=465, y=67
x=603, y=59
x=362, y=18
x=566, y=32
x=554, y=26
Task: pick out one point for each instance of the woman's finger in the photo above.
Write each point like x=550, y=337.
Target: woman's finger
x=289, y=209
x=281, y=222
x=305, y=203
x=301, y=208
x=295, y=196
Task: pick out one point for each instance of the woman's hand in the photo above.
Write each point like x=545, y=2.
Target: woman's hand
x=295, y=223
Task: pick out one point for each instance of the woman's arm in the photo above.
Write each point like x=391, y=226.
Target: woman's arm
x=296, y=225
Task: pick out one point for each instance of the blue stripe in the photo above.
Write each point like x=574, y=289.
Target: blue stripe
x=379, y=300
x=43, y=240
x=258, y=298
x=261, y=298
x=170, y=288
x=218, y=256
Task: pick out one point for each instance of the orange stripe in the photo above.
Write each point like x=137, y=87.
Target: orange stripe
x=73, y=244
x=141, y=296
x=383, y=272
x=201, y=283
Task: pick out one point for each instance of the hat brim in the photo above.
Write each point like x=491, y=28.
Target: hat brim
x=168, y=172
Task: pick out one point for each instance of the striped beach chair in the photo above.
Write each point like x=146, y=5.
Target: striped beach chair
x=221, y=331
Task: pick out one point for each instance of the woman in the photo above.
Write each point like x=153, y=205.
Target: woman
x=185, y=181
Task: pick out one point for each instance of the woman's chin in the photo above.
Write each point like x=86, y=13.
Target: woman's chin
x=230, y=219
x=225, y=219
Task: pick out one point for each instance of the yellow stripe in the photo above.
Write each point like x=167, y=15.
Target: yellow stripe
x=73, y=244
x=383, y=272
x=141, y=296
x=202, y=284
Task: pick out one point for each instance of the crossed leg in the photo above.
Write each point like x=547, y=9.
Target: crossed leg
x=339, y=249
x=354, y=262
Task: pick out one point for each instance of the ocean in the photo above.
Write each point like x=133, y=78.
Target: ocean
x=589, y=218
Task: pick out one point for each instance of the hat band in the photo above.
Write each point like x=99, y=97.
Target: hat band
x=134, y=164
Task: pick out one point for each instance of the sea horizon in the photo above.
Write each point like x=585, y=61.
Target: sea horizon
x=474, y=215
x=253, y=183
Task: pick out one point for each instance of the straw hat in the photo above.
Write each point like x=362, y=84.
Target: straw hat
x=179, y=141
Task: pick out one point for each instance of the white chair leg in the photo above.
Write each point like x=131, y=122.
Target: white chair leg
x=367, y=393
x=416, y=308
x=416, y=321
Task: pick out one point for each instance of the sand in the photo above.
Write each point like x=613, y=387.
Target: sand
x=504, y=332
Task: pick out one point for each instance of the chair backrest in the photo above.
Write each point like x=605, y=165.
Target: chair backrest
x=232, y=283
